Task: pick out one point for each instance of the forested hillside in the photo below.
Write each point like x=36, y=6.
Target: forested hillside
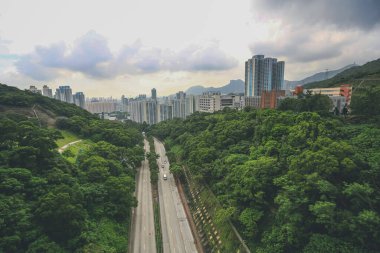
x=11, y=96
x=290, y=182
x=49, y=204
x=354, y=76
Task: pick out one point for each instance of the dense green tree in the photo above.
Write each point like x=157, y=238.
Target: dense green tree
x=294, y=181
x=48, y=204
x=61, y=214
x=365, y=101
x=308, y=103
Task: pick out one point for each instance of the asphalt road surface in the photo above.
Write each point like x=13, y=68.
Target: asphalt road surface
x=143, y=225
x=176, y=233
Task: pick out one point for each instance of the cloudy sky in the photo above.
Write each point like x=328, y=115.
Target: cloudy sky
x=114, y=47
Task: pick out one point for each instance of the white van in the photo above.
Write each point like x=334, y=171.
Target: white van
x=165, y=177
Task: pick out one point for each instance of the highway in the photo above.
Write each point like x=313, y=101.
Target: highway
x=143, y=235
x=176, y=233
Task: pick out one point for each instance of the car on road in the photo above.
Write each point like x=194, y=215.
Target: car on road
x=165, y=161
x=165, y=177
x=162, y=166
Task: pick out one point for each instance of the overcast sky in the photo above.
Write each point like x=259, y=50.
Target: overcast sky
x=110, y=48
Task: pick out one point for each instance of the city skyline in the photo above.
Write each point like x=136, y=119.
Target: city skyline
x=122, y=47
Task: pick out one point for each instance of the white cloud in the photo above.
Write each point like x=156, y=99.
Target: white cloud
x=91, y=56
x=312, y=36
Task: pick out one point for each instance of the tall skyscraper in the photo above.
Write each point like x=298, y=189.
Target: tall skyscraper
x=179, y=105
x=79, y=99
x=46, y=91
x=124, y=103
x=278, y=76
x=64, y=93
x=142, y=110
x=154, y=94
x=263, y=74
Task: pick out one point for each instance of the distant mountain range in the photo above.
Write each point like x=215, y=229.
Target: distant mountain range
x=317, y=77
x=234, y=86
x=366, y=74
x=237, y=86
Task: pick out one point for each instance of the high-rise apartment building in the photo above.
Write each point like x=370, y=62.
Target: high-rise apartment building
x=263, y=74
x=278, y=76
x=191, y=105
x=179, y=105
x=64, y=93
x=79, y=99
x=164, y=112
x=100, y=105
x=154, y=94
x=150, y=111
x=124, y=103
x=143, y=110
x=46, y=91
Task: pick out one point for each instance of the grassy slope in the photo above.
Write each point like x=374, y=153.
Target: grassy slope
x=67, y=138
x=76, y=149
x=370, y=70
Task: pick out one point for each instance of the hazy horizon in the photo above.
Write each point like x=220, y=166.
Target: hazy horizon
x=127, y=47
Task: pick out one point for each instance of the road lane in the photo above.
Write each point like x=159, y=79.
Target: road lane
x=143, y=233
x=176, y=233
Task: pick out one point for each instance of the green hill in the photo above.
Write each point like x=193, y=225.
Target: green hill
x=29, y=104
x=354, y=76
x=64, y=203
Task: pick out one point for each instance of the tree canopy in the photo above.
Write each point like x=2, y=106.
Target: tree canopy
x=48, y=204
x=289, y=181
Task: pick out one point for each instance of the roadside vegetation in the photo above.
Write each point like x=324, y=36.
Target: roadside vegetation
x=290, y=181
x=154, y=173
x=153, y=166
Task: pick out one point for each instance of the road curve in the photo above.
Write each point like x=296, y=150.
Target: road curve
x=176, y=233
x=143, y=235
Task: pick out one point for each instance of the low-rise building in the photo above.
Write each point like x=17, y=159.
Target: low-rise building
x=344, y=90
x=231, y=101
x=339, y=102
x=254, y=102
x=270, y=99
x=210, y=102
